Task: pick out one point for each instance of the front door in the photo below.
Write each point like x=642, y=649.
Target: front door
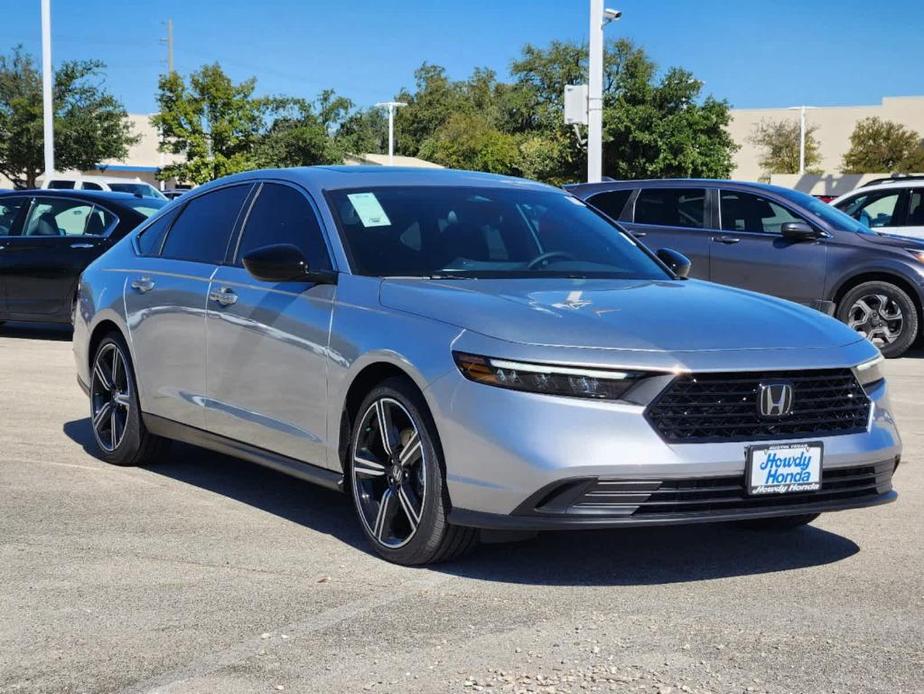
x=674, y=218
x=749, y=250
x=165, y=300
x=268, y=342
x=41, y=264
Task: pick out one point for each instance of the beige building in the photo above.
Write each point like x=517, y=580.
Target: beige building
x=835, y=125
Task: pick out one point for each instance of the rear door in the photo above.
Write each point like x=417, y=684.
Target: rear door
x=673, y=218
x=13, y=211
x=40, y=266
x=749, y=251
x=268, y=341
x=165, y=300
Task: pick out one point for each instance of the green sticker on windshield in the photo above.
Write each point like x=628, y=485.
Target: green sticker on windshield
x=369, y=209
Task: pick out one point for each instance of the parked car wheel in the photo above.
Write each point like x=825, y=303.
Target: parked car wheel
x=883, y=313
x=115, y=412
x=398, y=479
x=782, y=523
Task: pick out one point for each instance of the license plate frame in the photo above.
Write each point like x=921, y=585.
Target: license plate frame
x=795, y=483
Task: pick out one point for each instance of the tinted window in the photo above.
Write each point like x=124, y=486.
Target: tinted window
x=9, y=212
x=675, y=207
x=482, y=232
x=283, y=215
x=87, y=185
x=142, y=189
x=746, y=212
x=611, y=203
x=61, y=185
x=151, y=238
x=204, y=226
x=875, y=209
x=63, y=217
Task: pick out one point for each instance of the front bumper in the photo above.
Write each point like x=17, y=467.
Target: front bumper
x=509, y=453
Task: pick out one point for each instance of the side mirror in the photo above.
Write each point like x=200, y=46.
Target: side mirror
x=798, y=231
x=283, y=262
x=678, y=263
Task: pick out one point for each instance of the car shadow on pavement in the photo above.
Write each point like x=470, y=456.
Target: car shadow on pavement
x=37, y=331
x=631, y=556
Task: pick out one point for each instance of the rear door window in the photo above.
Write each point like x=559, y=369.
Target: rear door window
x=151, y=238
x=281, y=214
x=611, y=203
x=673, y=207
x=64, y=217
x=61, y=185
x=87, y=185
x=915, y=208
x=203, y=228
x=748, y=212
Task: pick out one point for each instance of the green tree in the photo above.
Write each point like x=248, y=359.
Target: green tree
x=779, y=140
x=212, y=122
x=362, y=131
x=881, y=146
x=90, y=124
x=299, y=131
x=469, y=141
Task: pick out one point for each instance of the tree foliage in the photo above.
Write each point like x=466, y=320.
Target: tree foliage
x=90, y=124
x=779, y=140
x=881, y=146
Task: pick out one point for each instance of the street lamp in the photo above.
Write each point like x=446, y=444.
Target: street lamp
x=599, y=18
x=48, y=132
x=392, y=106
x=801, y=110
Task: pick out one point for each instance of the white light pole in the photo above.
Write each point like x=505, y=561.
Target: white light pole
x=47, y=105
x=801, y=110
x=599, y=17
x=392, y=107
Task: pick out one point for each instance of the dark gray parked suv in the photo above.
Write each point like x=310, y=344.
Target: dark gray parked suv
x=780, y=242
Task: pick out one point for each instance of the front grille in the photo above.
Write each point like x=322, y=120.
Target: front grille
x=717, y=407
x=675, y=498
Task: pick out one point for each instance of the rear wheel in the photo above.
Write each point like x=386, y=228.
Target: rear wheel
x=780, y=523
x=398, y=482
x=115, y=413
x=883, y=313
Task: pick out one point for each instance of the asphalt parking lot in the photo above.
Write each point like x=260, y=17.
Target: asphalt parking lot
x=206, y=574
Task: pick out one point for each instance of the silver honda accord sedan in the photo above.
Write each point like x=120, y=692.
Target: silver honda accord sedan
x=461, y=352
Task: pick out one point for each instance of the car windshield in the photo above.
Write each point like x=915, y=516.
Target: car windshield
x=460, y=232
x=829, y=213
x=146, y=206
x=143, y=189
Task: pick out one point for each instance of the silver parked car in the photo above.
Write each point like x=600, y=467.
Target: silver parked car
x=462, y=351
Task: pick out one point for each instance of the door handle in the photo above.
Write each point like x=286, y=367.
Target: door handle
x=224, y=296
x=143, y=284
x=81, y=245
x=726, y=239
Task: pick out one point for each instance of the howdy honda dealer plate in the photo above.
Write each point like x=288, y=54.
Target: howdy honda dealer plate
x=784, y=469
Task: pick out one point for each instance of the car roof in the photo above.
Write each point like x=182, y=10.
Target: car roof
x=121, y=200
x=585, y=189
x=339, y=177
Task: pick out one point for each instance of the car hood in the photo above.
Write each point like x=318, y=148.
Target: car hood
x=893, y=241
x=645, y=315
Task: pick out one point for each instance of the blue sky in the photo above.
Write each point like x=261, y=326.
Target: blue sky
x=753, y=53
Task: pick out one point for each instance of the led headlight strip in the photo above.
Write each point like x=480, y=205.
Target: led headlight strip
x=600, y=384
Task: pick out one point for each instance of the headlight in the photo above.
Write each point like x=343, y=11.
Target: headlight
x=869, y=372
x=599, y=384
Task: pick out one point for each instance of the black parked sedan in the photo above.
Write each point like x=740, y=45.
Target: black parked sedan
x=47, y=238
x=780, y=242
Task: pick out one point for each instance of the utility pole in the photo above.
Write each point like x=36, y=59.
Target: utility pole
x=47, y=103
x=801, y=110
x=599, y=18
x=392, y=106
x=169, y=43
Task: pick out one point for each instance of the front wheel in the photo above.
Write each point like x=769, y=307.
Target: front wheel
x=883, y=313
x=398, y=482
x=115, y=412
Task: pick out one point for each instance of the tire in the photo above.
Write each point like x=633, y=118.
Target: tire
x=779, y=523
x=119, y=431
x=411, y=528
x=871, y=309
